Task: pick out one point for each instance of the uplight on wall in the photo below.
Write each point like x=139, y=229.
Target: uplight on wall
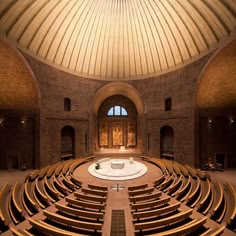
x=22, y=121
x=209, y=121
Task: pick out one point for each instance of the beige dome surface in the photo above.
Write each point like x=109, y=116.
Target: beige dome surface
x=117, y=39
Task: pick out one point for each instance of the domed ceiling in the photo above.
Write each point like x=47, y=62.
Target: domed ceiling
x=117, y=39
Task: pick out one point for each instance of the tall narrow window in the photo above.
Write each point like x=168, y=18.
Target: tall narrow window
x=168, y=104
x=117, y=111
x=67, y=104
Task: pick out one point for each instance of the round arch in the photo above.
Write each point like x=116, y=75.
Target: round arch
x=117, y=88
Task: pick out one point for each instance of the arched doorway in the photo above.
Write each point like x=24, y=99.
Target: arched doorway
x=67, y=143
x=167, y=142
x=117, y=123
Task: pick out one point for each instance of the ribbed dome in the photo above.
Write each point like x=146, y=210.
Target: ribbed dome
x=117, y=39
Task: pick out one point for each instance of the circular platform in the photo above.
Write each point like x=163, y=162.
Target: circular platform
x=130, y=169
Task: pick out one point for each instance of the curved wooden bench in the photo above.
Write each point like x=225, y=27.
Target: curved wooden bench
x=157, y=162
x=231, y=207
x=191, y=171
x=97, y=187
x=168, y=181
x=185, y=229
x=156, y=212
x=28, y=200
x=183, y=169
x=214, y=232
x=4, y=216
x=184, y=192
x=67, y=182
x=218, y=198
x=39, y=196
x=158, y=181
x=94, y=192
x=49, y=191
x=195, y=195
x=151, y=204
x=200, y=174
x=20, y=232
x=77, y=182
x=16, y=193
x=92, y=198
x=72, y=222
x=141, y=191
x=168, y=166
x=164, y=221
x=80, y=212
x=206, y=195
x=62, y=190
x=85, y=205
x=43, y=172
x=48, y=229
x=175, y=186
x=52, y=169
x=16, y=208
x=175, y=168
x=137, y=187
x=34, y=175
x=66, y=167
x=145, y=197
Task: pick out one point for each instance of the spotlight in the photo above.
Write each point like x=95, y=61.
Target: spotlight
x=22, y=121
x=209, y=120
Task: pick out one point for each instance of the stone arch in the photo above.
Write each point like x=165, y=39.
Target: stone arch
x=117, y=88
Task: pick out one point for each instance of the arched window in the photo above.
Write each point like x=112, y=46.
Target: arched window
x=168, y=104
x=67, y=104
x=117, y=111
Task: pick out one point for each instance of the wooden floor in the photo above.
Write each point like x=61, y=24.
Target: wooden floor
x=118, y=197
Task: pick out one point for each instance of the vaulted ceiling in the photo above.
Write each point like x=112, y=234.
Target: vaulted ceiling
x=117, y=39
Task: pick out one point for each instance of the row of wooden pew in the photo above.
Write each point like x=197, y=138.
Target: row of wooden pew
x=80, y=214
x=154, y=213
x=41, y=189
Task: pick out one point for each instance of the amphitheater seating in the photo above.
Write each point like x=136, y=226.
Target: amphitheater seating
x=154, y=208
